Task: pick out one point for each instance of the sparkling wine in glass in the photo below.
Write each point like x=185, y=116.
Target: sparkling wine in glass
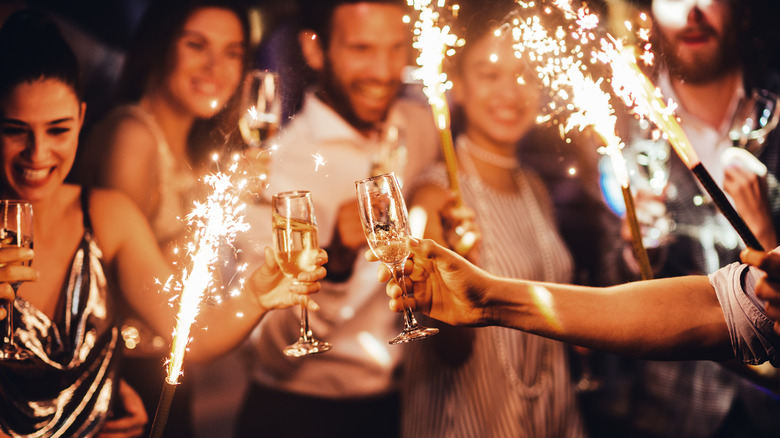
x=17, y=230
x=261, y=113
x=296, y=249
x=386, y=224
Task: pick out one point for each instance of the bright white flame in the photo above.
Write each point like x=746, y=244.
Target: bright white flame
x=213, y=223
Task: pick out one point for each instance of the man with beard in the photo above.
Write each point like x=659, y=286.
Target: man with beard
x=700, y=43
x=354, y=120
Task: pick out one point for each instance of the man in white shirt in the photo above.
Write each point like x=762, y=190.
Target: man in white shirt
x=358, y=51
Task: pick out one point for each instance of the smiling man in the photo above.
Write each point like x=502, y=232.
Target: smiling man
x=357, y=50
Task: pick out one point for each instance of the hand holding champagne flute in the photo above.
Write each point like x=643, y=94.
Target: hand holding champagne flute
x=386, y=224
x=296, y=249
x=16, y=231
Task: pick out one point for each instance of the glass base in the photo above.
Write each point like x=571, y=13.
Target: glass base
x=413, y=334
x=12, y=352
x=302, y=348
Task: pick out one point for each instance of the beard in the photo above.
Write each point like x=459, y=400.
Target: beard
x=700, y=66
x=335, y=93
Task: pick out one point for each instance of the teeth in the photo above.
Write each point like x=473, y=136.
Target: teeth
x=374, y=92
x=35, y=175
x=206, y=87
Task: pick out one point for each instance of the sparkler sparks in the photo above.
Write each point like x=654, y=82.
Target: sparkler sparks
x=434, y=41
x=318, y=161
x=559, y=63
x=214, y=223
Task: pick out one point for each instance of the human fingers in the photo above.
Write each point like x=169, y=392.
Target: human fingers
x=768, y=262
x=15, y=273
x=15, y=254
x=133, y=420
x=6, y=296
x=270, y=267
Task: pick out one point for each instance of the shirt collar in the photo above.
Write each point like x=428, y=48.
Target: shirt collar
x=327, y=125
x=665, y=84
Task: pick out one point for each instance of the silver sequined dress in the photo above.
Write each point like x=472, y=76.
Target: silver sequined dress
x=66, y=389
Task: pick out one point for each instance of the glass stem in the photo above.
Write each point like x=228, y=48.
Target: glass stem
x=305, y=332
x=9, y=317
x=410, y=322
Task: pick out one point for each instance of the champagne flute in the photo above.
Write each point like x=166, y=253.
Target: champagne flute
x=261, y=112
x=647, y=159
x=17, y=230
x=755, y=117
x=386, y=224
x=296, y=249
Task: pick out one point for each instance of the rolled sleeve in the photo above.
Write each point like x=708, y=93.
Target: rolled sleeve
x=753, y=338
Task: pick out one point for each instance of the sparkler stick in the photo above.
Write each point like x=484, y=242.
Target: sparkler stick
x=596, y=111
x=435, y=43
x=213, y=224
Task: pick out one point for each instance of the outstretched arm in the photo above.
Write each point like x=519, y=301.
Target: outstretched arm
x=677, y=318
x=138, y=262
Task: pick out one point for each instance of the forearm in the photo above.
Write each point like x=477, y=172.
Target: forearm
x=222, y=328
x=677, y=318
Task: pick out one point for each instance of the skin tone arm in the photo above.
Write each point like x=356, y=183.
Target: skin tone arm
x=133, y=153
x=138, y=261
x=454, y=344
x=642, y=319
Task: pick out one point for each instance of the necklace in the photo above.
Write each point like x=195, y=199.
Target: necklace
x=487, y=156
x=530, y=343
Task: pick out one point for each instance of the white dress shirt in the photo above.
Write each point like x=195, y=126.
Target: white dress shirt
x=354, y=315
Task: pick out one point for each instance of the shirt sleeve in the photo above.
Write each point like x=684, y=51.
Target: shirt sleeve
x=753, y=338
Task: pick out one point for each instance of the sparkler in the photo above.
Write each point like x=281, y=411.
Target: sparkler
x=638, y=92
x=434, y=43
x=634, y=87
x=213, y=223
x=559, y=63
x=596, y=111
x=562, y=71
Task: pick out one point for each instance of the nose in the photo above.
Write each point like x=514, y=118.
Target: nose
x=695, y=15
x=211, y=60
x=385, y=67
x=37, y=147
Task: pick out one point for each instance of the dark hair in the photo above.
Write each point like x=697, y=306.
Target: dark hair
x=154, y=41
x=32, y=48
x=317, y=15
x=476, y=19
x=150, y=56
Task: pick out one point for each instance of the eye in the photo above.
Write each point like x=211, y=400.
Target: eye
x=12, y=130
x=58, y=130
x=194, y=44
x=235, y=54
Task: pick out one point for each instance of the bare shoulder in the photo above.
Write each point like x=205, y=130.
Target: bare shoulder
x=115, y=218
x=126, y=133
